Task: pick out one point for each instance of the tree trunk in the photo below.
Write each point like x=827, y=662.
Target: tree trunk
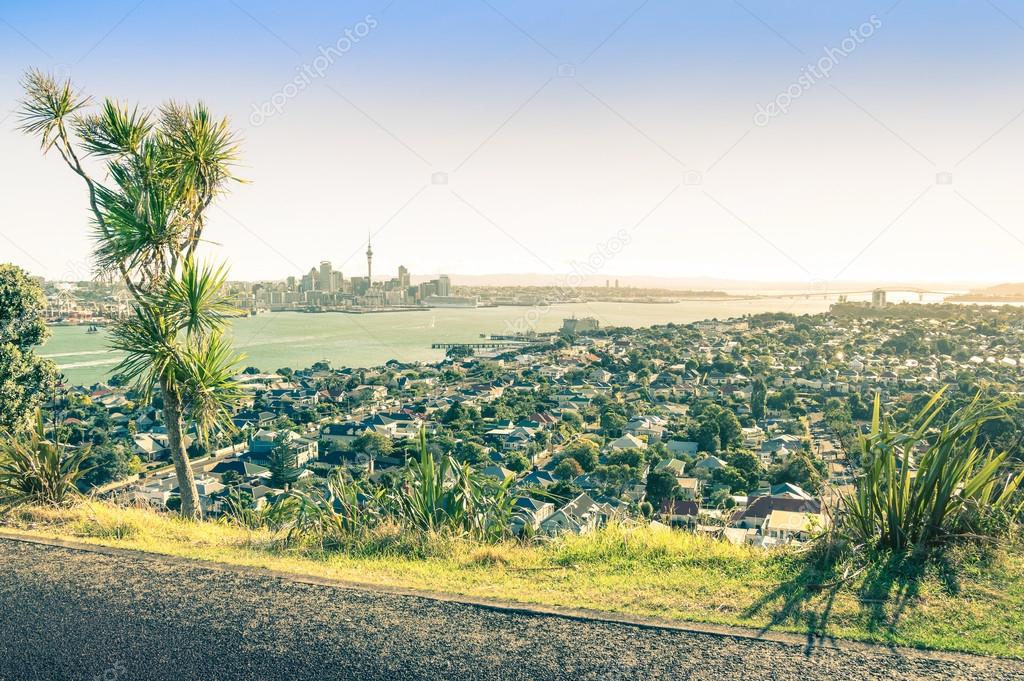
x=190, y=507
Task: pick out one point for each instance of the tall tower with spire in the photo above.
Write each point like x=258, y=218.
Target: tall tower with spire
x=369, y=261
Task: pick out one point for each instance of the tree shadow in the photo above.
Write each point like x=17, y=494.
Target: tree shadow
x=789, y=602
x=886, y=588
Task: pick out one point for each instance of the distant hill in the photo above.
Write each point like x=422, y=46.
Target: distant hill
x=1002, y=290
x=684, y=283
x=999, y=292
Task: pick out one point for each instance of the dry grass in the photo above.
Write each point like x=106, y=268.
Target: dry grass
x=971, y=605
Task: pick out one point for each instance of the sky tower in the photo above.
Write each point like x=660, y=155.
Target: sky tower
x=369, y=261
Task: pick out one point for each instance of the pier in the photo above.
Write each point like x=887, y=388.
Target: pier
x=488, y=345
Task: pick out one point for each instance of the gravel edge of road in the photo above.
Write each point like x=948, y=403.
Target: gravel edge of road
x=807, y=642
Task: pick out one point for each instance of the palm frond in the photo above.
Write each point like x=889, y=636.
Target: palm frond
x=201, y=150
x=115, y=131
x=206, y=373
x=196, y=301
x=47, y=106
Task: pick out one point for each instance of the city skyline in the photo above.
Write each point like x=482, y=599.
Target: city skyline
x=824, y=145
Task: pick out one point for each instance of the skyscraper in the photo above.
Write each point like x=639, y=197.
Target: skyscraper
x=309, y=280
x=326, y=282
x=403, y=276
x=444, y=285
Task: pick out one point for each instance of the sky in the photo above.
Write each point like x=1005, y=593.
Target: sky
x=753, y=140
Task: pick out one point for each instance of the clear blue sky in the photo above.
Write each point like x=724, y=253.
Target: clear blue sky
x=557, y=126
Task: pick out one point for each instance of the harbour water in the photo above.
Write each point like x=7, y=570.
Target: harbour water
x=293, y=339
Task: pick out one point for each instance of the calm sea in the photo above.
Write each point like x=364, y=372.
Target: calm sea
x=292, y=339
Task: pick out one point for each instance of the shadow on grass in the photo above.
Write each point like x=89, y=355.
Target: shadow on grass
x=790, y=602
x=885, y=590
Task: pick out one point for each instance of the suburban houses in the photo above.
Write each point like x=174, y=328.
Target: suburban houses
x=737, y=428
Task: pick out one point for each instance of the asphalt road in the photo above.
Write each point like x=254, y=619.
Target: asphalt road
x=67, y=614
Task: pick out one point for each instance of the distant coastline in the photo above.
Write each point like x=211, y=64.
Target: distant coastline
x=985, y=298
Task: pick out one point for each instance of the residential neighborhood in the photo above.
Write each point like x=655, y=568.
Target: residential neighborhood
x=741, y=429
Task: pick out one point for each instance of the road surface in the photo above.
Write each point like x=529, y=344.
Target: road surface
x=68, y=614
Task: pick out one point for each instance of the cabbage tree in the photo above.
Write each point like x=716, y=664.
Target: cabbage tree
x=158, y=172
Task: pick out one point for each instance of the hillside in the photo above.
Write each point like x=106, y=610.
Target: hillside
x=642, y=572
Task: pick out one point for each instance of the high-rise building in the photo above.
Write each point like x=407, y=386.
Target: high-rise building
x=309, y=281
x=428, y=288
x=403, y=276
x=360, y=285
x=878, y=298
x=326, y=282
x=444, y=285
x=338, y=281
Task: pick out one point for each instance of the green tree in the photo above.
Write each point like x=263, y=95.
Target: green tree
x=759, y=399
x=109, y=463
x=613, y=422
x=470, y=452
x=584, y=451
x=25, y=378
x=707, y=436
x=798, y=470
x=283, y=461
x=749, y=466
x=374, y=445
x=516, y=462
x=568, y=468
x=661, y=486
x=455, y=413
x=730, y=433
x=161, y=172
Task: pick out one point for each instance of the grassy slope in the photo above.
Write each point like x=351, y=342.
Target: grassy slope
x=665, y=574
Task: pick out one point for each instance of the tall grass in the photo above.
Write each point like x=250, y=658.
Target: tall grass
x=444, y=494
x=959, y=488
x=436, y=496
x=35, y=470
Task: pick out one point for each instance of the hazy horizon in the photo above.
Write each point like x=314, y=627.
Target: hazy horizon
x=629, y=139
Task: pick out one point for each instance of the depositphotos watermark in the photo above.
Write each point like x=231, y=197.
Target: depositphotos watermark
x=812, y=73
x=307, y=73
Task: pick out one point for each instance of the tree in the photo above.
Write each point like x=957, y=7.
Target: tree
x=454, y=413
x=730, y=478
x=374, y=445
x=661, y=486
x=707, y=436
x=613, y=422
x=25, y=378
x=283, y=461
x=759, y=399
x=634, y=458
x=516, y=462
x=470, y=452
x=458, y=352
x=161, y=172
x=109, y=463
x=568, y=469
x=584, y=451
x=749, y=466
x=799, y=471
x=730, y=433
x=572, y=418
x=563, y=490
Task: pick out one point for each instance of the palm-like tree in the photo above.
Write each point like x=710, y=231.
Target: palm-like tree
x=162, y=171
